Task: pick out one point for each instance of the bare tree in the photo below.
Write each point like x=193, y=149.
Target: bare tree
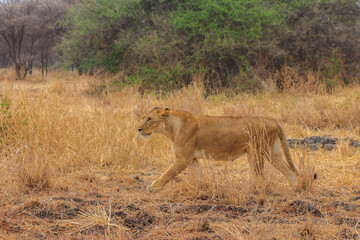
x=13, y=19
x=24, y=24
x=5, y=61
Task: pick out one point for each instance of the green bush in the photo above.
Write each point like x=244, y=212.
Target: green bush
x=92, y=31
x=161, y=44
x=223, y=23
x=224, y=35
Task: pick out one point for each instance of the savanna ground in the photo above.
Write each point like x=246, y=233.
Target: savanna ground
x=74, y=167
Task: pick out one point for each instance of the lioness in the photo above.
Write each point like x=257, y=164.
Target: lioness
x=221, y=138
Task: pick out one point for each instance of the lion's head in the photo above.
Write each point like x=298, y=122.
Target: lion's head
x=153, y=122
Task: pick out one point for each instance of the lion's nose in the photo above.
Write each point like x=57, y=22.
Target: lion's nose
x=139, y=129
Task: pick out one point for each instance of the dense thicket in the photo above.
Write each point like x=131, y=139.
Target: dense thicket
x=165, y=43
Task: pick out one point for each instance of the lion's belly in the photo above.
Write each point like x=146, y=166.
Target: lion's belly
x=225, y=145
x=218, y=155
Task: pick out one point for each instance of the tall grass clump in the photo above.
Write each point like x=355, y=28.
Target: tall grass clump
x=49, y=134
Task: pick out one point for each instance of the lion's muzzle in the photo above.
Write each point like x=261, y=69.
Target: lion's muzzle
x=143, y=135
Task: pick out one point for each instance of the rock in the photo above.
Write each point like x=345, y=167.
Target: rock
x=132, y=207
x=203, y=208
x=329, y=146
x=313, y=147
x=141, y=220
x=205, y=227
x=352, y=222
x=354, y=143
x=314, y=143
x=119, y=214
x=355, y=199
x=328, y=140
x=347, y=234
x=302, y=207
x=345, y=206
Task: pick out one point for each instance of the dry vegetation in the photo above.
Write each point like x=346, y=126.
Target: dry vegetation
x=74, y=167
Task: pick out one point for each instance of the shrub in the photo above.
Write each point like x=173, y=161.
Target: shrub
x=235, y=44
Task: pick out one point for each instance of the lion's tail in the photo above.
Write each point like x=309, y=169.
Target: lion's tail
x=286, y=150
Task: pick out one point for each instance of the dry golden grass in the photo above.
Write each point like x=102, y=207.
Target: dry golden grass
x=73, y=166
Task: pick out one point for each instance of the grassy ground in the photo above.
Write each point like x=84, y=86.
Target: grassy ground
x=74, y=167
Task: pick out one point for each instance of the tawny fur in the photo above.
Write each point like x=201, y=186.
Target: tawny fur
x=196, y=137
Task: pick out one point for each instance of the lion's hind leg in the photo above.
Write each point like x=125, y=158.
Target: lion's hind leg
x=195, y=172
x=255, y=159
x=278, y=162
x=256, y=162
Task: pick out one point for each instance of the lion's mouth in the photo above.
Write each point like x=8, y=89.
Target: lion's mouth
x=145, y=135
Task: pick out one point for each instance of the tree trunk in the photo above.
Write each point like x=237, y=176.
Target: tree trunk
x=46, y=60
x=25, y=72
x=91, y=71
x=80, y=71
x=42, y=62
x=30, y=67
x=18, y=70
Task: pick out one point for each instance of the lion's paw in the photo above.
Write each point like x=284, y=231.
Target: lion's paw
x=153, y=188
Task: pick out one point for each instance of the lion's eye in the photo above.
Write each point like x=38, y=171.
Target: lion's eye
x=148, y=119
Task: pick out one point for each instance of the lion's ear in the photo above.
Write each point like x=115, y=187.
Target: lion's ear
x=164, y=113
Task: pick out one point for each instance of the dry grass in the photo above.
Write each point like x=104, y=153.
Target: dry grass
x=73, y=166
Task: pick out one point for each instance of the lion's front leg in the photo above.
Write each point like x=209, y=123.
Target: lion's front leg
x=169, y=174
x=184, y=146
